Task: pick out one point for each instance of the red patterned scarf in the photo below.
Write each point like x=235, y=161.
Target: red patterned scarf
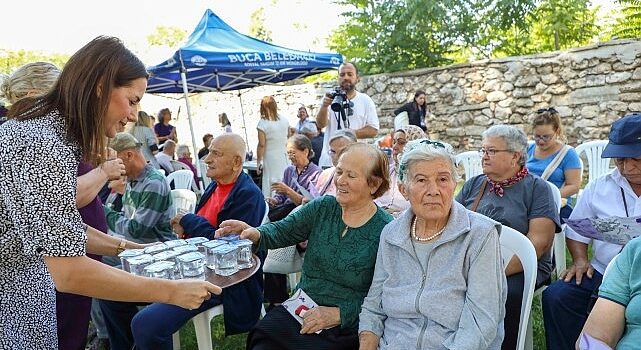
x=499, y=187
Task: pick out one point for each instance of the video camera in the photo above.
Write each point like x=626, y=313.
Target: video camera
x=342, y=106
x=340, y=101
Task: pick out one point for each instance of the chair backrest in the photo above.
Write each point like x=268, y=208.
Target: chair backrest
x=181, y=178
x=203, y=174
x=557, y=195
x=597, y=166
x=401, y=120
x=471, y=161
x=513, y=243
x=266, y=217
x=179, y=165
x=184, y=200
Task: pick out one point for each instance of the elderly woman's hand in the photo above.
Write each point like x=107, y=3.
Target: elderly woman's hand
x=175, y=225
x=280, y=187
x=321, y=317
x=229, y=227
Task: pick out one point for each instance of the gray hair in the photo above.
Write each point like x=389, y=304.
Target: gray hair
x=515, y=139
x=348, y=135
x=181, y=150
x=425, y=150
x=36, y=78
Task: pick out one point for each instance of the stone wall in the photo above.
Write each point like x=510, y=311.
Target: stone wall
x=589, y=86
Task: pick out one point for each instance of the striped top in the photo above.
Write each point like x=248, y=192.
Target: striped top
x=147, y=209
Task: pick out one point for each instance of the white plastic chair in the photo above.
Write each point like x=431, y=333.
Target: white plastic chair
x=203, y=174
x=401, y=120
x=597, y=166
x=179, y=165
x=513, y=243
x=558, y=246
x=181, y=178
x=471, y=161
x=184, y=199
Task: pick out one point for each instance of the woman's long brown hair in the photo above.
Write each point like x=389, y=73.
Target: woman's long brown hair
x=82, y=93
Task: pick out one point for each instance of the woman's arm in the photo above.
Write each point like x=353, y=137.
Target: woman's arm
x=173, y=135
x=103, y=244
x=90, y=183
x=481, y=313
x=572, y=182
x=372, y=317
x=541, y=235
x=85, y=276
x=606, y=322
x=260, y=151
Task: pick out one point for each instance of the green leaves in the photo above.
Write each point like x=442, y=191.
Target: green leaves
x=628, y=24
x=388, y=36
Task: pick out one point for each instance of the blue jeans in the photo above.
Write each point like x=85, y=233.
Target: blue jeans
x=565, y=310
x=154, y=325
x=150, y=328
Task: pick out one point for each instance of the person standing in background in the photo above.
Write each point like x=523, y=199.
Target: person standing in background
x=271, y=157
x=361, y=117
x=224, y=122
x=416, y=110
x=164, y=130
x=203, y=152
x=142, y=131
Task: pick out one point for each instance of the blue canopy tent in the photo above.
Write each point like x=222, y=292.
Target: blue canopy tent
x=216, y=57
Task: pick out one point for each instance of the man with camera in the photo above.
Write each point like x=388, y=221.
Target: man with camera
x=350, y=109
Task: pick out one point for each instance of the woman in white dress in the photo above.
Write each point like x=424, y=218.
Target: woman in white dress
x=271, y=154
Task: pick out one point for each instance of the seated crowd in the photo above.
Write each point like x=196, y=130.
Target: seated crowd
x=394, y=256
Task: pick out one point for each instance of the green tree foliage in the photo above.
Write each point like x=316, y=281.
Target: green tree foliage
x=257, y=27
x=628, y=25
x=561, y=24
x=12, y=60
x=167, y=36
x=388, y=36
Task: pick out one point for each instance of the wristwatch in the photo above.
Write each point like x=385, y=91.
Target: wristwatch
x=121, y=246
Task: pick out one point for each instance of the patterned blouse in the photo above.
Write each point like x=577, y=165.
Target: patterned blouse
x=38, y=218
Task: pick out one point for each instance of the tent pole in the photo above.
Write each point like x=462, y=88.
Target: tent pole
x=242, y=113
x=183, y=77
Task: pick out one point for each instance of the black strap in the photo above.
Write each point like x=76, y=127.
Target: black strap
x=478, y=196
x=625, y=203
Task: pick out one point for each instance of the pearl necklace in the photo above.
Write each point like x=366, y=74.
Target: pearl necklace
x=426, y=239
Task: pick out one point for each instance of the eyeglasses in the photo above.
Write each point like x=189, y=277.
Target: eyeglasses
x=435, y=144
x=545, y=138
x=543, y=110
x=491, y=152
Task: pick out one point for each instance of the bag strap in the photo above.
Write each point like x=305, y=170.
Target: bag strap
x=555, y=162
x=478, y=196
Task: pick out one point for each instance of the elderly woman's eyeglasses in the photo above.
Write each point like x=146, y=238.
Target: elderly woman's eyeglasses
x=543, y=110
x=435, y=144
x=491, y=152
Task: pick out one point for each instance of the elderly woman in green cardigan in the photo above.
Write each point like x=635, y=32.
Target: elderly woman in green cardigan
x=343, y=234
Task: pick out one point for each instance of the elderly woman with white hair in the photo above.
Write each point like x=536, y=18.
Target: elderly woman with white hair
x=438, y=281
x=184, y=156
x=509, y=194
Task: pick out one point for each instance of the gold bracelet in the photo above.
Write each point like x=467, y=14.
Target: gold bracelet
x=121, y=246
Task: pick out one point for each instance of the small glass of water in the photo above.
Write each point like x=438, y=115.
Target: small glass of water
x=244, y=260
x=161, y=269
x=272, y=181
x=209, y=252
x=137, y=264
x=192, y=265
x=156, y=248
x=128, y=254
x=226, y=259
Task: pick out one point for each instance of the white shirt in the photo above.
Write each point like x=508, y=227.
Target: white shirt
x=164, y=160
x=364, y=114
x=602, y=198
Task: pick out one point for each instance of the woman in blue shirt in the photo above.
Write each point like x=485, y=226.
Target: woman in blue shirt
x=550, y=143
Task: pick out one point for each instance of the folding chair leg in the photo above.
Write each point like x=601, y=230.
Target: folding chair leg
x=202, y=325
x=176, y=340
x=529, y=343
